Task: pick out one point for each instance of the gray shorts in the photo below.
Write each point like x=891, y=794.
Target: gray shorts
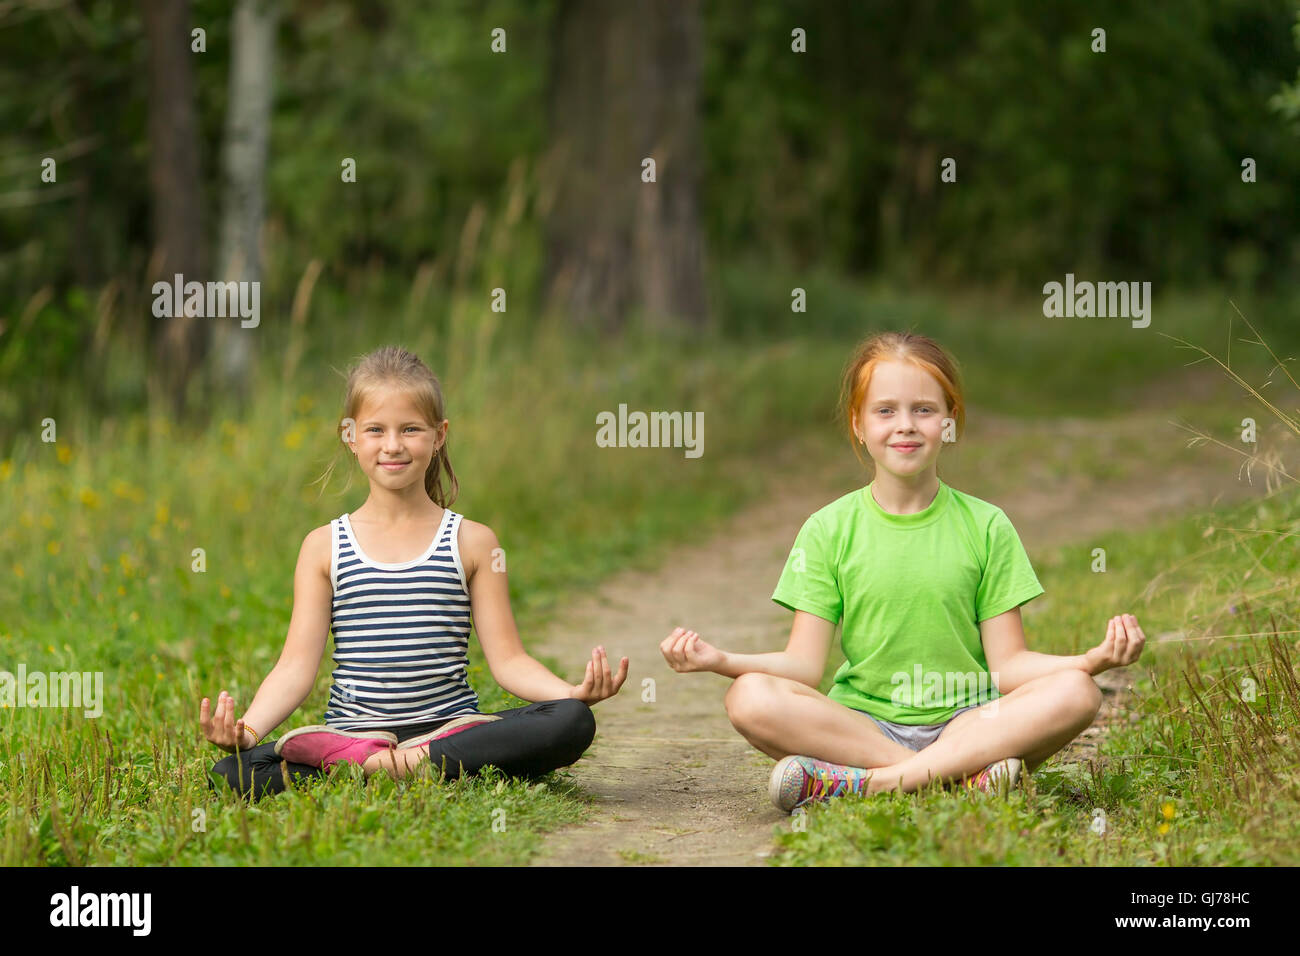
x=916, y=736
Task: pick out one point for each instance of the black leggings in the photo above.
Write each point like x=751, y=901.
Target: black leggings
x=526, y=742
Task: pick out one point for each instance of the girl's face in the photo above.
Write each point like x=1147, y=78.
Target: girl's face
x=904, y=406
x=391, y=429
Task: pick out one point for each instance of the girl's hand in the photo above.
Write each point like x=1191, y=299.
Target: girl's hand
x=1123, y=644
x=686, y=651
x=598, y=682
x=222, y=729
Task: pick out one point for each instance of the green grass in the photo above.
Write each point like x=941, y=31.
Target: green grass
x=99, y=531
x=134, y=816
x=1196, y=775
x=1014, y=359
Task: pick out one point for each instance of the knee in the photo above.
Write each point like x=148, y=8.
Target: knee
x=226, y=769
x=241, y=773
x=748, y=698
x=575, y=723
x=1078, y=694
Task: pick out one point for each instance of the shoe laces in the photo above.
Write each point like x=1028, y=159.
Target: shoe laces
x=830, y=779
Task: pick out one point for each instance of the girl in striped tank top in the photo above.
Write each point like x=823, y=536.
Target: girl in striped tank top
x=398, y=582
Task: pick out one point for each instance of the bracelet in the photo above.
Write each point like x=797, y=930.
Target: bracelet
x=256, y=737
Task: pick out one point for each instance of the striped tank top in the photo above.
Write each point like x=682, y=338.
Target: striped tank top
x=401, y=633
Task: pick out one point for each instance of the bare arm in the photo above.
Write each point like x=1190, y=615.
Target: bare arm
x=803, y=660
x=494, y=622
x=292, y=677
x=1013, y=665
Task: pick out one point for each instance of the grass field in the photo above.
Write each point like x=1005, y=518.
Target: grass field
x=1195, y=774
x=99, y=531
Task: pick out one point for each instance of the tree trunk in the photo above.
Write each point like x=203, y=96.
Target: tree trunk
x=625, y=88
x=179, y=341
x=248, y=123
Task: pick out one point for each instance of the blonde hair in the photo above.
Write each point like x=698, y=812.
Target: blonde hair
x=923, y=352
x=392, y=366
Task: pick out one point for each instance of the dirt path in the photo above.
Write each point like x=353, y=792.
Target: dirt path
x=673, y=782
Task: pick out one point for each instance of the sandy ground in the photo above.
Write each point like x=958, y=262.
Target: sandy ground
x=673, y=782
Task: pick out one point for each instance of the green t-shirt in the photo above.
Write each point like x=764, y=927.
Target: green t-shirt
x=912, y=590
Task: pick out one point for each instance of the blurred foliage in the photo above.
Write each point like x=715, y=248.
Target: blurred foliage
x=821, y=165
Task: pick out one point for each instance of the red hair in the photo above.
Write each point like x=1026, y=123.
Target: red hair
x=923, y=352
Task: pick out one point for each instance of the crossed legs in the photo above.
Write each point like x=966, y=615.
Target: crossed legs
x=527, y=742
x=780, y=717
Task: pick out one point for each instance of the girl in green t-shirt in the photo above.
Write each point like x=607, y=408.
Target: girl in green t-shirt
x=928, y=581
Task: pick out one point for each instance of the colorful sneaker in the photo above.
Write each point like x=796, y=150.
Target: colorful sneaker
x=797, y=780
x=453, y=726
x=998, y=777
x=323, y=746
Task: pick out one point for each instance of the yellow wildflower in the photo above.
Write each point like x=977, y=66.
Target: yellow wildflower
x=64, y=454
